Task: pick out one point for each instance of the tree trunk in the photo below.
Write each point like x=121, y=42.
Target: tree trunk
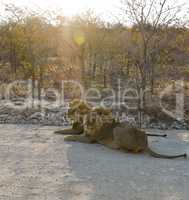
x=33, y=86
x=104, y=78
x=40, y=86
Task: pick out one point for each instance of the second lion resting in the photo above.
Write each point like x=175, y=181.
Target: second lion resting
x=99, y=126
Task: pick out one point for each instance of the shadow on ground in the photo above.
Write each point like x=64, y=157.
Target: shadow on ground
x=107, y=175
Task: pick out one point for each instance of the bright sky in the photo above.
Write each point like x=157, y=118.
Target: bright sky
x=107, y=9
x=71, y=7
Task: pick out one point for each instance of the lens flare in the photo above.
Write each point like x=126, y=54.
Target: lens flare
x=79, y=38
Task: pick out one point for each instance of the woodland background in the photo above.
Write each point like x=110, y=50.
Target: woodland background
x=148, y=47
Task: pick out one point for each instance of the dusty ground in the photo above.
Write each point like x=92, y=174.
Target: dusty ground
x=37, y=165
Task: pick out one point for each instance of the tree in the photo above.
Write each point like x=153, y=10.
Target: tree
x=149, y=17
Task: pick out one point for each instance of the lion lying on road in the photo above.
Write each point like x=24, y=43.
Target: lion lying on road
x=99, y=126
x=77, y=111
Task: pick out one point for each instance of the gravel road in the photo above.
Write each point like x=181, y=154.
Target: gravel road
x=37, y=165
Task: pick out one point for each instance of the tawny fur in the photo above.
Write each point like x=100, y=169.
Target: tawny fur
x=100, y=127
x=77, y=111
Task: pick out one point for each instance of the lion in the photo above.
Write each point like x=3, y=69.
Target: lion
x=77, y=111
x=101, y=127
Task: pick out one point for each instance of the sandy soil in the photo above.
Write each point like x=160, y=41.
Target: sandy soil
x=37, y=165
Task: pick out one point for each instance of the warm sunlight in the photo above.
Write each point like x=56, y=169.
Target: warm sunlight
x=94, y=99
x=70, y=7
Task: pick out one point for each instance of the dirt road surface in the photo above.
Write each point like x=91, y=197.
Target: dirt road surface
x=35, y=164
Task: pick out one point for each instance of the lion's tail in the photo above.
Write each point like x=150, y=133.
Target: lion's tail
x=158, y=155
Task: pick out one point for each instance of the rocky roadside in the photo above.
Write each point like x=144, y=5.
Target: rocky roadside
x=47, y=117
x=57, y=116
